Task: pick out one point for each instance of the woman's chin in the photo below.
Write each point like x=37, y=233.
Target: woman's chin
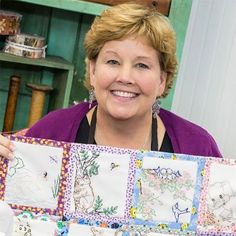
x=122, y=115
x=122, y=111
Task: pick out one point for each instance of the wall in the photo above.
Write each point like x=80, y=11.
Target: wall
x=205, y=92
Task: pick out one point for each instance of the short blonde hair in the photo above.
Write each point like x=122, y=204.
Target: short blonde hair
x=131, y=19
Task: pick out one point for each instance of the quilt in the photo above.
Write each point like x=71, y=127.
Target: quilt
x=58, y=188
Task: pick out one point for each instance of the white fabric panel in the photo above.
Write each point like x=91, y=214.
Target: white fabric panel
x=206, y=84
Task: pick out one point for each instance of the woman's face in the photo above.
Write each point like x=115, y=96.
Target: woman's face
x=127, y=78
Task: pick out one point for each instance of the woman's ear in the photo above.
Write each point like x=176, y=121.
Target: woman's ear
x=92, y=64
x=162, y=85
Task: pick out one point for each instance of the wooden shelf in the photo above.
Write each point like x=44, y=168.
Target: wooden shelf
x=63, y=74
x=49, y=61
x=71, y=5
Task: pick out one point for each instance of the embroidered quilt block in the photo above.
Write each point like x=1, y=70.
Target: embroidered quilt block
x=100, y=184
x=35, y=179
x=166, y=194
x=28, y=223
x=218, y=198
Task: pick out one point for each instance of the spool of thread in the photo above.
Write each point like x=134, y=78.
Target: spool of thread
x=31, y=46
x=9, y=22
x=37, y=101
x=14, y=87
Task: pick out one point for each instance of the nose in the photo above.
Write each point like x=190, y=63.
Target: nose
x=124, y=75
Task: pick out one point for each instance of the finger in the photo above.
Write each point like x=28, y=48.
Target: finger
x=6, y=147
x=6, y=142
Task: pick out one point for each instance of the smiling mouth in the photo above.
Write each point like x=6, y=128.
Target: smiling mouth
x=124, y=94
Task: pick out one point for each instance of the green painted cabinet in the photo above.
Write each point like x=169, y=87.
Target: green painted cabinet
x=61, y=71
x=64, y=24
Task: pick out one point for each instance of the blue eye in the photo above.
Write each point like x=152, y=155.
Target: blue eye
x=142, y=66
x=112, y=62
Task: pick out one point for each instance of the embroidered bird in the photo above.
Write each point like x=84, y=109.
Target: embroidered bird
x=177, y=212
x=113, y=166
x=167, y=173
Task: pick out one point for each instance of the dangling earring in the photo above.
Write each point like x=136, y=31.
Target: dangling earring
x=156, y=108
x=91, y=97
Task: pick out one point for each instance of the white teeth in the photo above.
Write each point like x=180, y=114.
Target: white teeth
x=124, y=94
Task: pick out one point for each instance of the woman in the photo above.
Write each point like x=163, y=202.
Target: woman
x=131, y=63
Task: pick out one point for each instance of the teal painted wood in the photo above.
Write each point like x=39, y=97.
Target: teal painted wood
x=63, y=29
x=40, y=20
x=49, y=61
x=63, y=73
x=22, y=109
x=179, y=16
x=79, y=92
x=57, y=69
x=34, y=21
x=71, y=5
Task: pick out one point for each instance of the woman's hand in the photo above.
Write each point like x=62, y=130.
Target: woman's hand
x=6, y=147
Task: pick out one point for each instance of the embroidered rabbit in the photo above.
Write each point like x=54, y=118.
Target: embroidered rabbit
x=83, y=194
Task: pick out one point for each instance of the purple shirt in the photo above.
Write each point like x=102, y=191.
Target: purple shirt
x=186, y=137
